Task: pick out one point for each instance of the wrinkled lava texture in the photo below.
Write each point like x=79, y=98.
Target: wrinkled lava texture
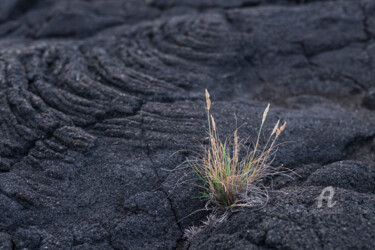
x=101, y=100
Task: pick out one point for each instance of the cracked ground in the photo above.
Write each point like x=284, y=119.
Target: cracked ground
x=101, y=100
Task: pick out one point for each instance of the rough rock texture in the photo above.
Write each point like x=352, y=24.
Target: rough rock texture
x=98, y=98
x=293, y=221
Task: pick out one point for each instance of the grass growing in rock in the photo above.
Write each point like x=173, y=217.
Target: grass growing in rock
x=231, y=172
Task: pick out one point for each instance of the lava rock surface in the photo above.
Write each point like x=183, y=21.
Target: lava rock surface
x=101, y=101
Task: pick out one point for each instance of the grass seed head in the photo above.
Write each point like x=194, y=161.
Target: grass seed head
x=208, y=101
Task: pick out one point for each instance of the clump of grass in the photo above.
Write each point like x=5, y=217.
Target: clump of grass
x=231, y=172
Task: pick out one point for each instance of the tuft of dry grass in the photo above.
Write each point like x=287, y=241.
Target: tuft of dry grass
x=231, y=172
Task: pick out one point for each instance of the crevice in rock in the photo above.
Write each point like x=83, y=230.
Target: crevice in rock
x=356, y=82
x=365, y=23
x=13, y=245
x=148, y=153
x=361, y=148
x=307, y=55
x=357, y=142
x=165, y=193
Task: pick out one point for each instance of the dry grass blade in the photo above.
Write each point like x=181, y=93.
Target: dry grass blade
x=229, y=180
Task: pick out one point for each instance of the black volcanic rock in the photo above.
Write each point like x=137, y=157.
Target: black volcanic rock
x=102, y=101
x=355, y=176
x=293, y=220
x=5, y=241
x=369, y=99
